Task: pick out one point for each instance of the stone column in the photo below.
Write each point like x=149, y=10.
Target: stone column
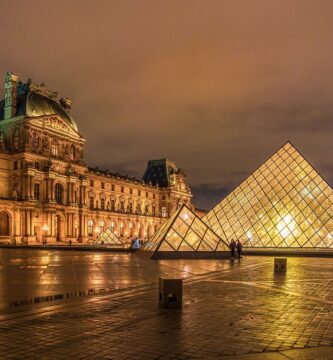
x=31, y=187
x=52, y=190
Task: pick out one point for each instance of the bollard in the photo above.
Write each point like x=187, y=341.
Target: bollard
x=170, y=293
x=280, y=264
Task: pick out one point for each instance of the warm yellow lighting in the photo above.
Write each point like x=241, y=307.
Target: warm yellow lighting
x=298, y=213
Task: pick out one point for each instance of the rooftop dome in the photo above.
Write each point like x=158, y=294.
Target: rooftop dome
x=40, y=105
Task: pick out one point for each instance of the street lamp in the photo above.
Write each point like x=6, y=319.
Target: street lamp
x=45, y=229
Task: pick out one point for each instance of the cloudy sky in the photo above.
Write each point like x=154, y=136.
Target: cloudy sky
x=216, y=86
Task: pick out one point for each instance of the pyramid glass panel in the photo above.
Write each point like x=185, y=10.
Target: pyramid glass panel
x=185, y=231
x=108, y=237
x=285, y=203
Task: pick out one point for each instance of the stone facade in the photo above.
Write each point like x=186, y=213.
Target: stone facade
x=47, y=192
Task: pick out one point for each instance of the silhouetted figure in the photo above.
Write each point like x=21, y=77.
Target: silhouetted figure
x=239, y=247
x=232, y=249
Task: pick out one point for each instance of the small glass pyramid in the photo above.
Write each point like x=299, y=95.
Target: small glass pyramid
x=185, y=231
x=108, y=237
x=285, y=203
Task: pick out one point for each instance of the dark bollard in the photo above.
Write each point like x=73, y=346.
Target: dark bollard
x=280, y=264
x=170, y=293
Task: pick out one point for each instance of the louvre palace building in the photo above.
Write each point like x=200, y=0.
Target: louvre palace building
x=47, y=192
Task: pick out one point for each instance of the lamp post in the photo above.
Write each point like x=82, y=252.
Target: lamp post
x=45, y=228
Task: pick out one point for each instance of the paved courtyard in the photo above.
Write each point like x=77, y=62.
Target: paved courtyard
x=230, y=311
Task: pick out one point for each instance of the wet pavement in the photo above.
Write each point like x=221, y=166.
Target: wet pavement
x=230, y=311
x=26, y=274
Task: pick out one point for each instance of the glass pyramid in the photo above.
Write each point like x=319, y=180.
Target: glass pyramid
x=285, y=203
x=108, y=237
x=185, y=231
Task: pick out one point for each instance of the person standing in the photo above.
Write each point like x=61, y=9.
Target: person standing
x=239, y=247
x=232, y=249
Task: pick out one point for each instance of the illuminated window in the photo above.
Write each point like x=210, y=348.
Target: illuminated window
x=54, y=147
x=164, y=212
x=101, y=225
x=90, y=227
x=112, y=226
x=121, y=229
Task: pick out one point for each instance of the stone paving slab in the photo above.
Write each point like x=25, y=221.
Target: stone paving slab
x=242, y=310
x=318, y=353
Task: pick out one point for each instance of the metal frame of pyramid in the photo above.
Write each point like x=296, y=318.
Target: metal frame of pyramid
x=285, y=203
x=108, y=237
x=185, y=235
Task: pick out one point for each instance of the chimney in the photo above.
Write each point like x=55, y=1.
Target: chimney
x=10, y=95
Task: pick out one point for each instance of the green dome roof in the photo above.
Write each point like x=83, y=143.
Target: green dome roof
x=40, y=105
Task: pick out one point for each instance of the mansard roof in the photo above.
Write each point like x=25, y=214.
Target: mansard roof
x=158, y=172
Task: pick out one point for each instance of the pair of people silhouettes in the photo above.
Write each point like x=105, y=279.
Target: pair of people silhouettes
x=236, y=245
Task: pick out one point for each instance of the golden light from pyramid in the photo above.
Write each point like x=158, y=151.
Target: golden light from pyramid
x=285, y=202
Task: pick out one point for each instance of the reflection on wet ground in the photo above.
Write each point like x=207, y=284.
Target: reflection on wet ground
x=229, y=309
x=30, y=273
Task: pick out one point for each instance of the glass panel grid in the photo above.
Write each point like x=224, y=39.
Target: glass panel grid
x=289, y=210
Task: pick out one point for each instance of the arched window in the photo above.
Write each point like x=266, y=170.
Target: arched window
x=59, y=190
x=54, y=147
x=90, y=227
x=101, y=225
x=112, y=226
x=121, y=229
